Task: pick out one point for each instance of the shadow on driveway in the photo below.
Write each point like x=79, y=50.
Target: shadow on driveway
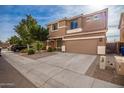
x=10, y=77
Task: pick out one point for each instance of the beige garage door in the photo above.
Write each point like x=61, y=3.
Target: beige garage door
x=88, y=46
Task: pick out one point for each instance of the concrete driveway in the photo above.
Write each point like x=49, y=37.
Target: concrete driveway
x=60, y=70
x=75, y=62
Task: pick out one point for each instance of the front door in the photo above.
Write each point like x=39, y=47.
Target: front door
x=52, y=43
x=59, y=44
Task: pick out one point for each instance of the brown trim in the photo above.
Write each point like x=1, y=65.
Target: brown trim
x=80, y=38
x=56, y=37
x=84, y=33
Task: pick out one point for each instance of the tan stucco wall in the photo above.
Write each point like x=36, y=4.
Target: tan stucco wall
x=62, y=23
x=93, y=25
x=60, y=32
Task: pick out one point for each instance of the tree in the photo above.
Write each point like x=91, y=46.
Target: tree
x=14, y=40
x=23, y=29
x=45, y=34
x=39, y=33
x=29, y=31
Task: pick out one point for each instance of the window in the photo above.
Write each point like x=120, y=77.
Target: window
x=96, y=17
x=88, y=19
x=74, y=24
x=55, y=26
x=92, y=18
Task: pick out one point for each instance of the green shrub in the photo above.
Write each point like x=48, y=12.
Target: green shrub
x=24, y=50
x=54, y=49
x=44, y=46
x=37, y=45
x=49, y=49
x=31, y=51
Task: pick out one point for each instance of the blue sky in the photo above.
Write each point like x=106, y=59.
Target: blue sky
x=11, y=15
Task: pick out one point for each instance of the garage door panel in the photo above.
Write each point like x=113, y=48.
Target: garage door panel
x=82, y=46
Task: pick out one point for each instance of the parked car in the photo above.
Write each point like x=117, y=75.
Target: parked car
x=17, y=48
x=0, y=51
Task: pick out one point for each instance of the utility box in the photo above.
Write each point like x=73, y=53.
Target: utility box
x=63, y=48
x=47, y=47
x=102, y=63
x=101, y=50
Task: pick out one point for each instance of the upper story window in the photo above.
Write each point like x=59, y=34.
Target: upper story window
x=96, y=17
x=88, y=19
x=74, y=24
x=92, y=18
x=54, y=26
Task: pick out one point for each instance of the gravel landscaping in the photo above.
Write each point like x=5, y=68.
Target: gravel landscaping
x=109, y=74
x=38, y=55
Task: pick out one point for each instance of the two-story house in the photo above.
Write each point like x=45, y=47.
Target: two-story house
x=80, y=34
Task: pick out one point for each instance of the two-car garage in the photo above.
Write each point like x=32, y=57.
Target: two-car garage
x=87, y=46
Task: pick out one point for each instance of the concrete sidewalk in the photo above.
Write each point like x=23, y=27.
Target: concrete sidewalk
x=57, y=71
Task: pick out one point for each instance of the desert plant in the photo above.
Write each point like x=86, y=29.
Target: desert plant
x=31, y=51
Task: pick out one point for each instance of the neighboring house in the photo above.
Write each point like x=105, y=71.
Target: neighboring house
x=80, y=34
x=121, y=27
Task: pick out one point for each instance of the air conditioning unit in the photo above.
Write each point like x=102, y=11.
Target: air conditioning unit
x=102, y=63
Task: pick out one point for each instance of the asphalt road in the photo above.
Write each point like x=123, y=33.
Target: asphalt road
x=11, y=78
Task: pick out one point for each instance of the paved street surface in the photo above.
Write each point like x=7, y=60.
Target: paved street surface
x=58, y=71
x=10, y=77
